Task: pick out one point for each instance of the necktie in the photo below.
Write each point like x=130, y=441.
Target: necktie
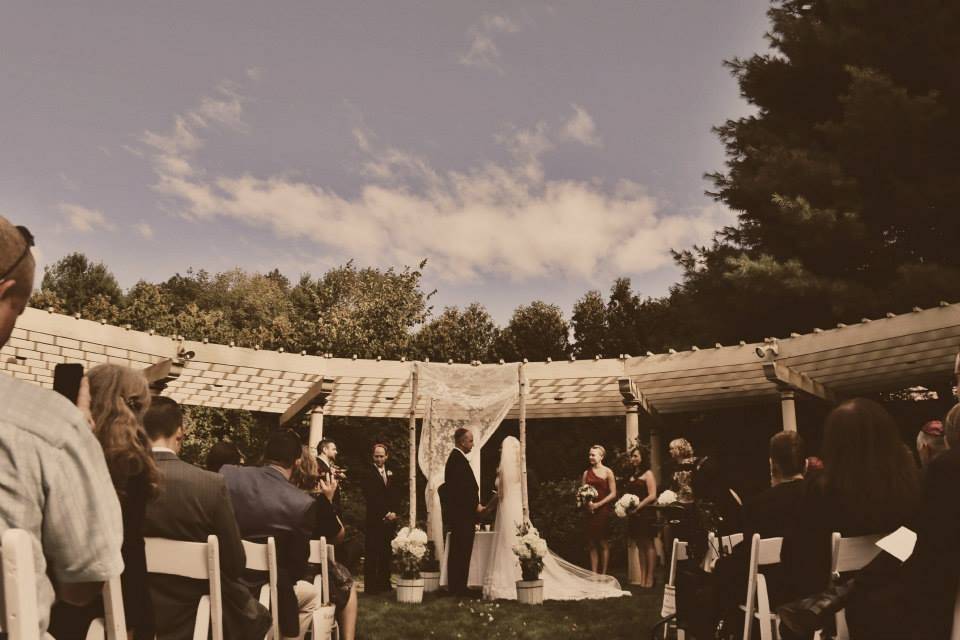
x=383, y=474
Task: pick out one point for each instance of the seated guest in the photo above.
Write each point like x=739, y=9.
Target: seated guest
x=936, y=558
x=221, y=453
x=329, y=526
x=869, y=485
x=73, y=515
x=193, y=504
x=771, y=512
x=267, y=504
x=119, y=397
x=930, y=442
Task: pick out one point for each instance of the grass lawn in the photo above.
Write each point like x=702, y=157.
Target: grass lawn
x=381, y=618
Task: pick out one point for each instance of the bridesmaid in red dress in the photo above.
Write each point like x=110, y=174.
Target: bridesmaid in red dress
x=597, y=519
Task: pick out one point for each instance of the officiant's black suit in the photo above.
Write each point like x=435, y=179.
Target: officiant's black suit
x=380, y=496
x=462, y=496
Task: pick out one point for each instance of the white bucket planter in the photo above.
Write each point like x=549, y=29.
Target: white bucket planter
x=410, y=591
x=323, y=619
x=431, y=581
x=530, y=591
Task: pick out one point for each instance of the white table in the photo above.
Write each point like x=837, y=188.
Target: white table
x=482, y=544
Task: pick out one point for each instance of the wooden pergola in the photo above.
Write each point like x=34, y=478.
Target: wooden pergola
x=871, y=356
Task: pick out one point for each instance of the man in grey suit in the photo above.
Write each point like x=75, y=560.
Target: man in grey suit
x=193, y=504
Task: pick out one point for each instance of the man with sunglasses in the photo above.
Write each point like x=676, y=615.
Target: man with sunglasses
x=55, y=479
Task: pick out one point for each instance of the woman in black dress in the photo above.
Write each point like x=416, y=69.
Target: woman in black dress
x=641, y=524
x=119, y=398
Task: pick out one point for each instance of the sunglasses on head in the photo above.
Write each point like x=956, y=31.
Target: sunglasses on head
x=28, y=240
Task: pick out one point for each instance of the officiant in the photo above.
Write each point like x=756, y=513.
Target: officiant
x=461, y=508
x=381, y=498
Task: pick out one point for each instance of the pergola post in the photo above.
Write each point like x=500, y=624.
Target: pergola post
x=523, y=443
x=316, y=424
x=656, y=450
x=788, y=409
x=633, y=426
x=413, y=448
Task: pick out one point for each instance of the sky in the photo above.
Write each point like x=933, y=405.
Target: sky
x=527, y=150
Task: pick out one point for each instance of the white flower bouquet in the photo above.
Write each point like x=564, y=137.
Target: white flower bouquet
x=626, y=505
x=409, y=549
x=531, y=549
x=667, y=497
x=585, y=495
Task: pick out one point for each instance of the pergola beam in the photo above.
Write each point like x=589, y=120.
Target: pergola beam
x=784, y=376
x=315, y=395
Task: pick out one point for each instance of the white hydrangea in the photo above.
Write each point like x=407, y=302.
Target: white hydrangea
x=667, y=497
x=418, y=536
x=626, y=505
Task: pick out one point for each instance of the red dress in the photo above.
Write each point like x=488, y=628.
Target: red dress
x=597, y=523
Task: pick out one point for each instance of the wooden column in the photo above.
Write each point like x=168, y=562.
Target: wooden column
x=788, y=408
x=656, y=452
x=316, y=426
x=633, y=425
x=413, y=448
x=523, y=443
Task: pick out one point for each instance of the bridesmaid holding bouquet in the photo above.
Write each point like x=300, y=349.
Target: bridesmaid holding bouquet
x=597, y=520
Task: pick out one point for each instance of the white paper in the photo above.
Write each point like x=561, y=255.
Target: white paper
x=899, y=544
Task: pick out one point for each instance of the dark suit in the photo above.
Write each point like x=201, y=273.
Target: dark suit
x=462, y=496
x=193, y=504
x=325, y=469
x=266, y=504
x=380, y=497
x=935, y=564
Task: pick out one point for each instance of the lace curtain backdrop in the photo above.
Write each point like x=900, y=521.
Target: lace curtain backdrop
x=459, y=395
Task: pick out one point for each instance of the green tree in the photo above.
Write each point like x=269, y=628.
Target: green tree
x=536, y=331
x=844, y=179
x=589, y=322
x=464, y=336
x=78, y=285
x=205, y=426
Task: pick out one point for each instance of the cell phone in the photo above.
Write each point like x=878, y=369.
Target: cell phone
x=67, y=379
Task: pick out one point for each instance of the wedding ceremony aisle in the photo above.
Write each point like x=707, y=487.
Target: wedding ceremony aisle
x=446, y=617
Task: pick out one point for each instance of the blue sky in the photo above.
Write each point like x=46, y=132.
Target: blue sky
x=528, y=150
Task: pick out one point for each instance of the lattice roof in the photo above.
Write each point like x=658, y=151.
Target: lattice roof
x=878, y=355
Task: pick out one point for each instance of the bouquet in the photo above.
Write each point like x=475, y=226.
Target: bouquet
x=531, y=549
x=667, y=497
x=409, y=549
x=585, y=495
x=627, y=505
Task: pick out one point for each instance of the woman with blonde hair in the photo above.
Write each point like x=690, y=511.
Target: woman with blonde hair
x=597, y=521
x=119, y=398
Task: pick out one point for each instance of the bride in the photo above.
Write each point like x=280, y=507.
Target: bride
x=561, y=579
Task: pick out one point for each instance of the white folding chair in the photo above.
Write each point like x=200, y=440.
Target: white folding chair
x=320, y=552
x=263, y=557
x=714, y=548
x=197, y=560
x=763, y=552
x=678, y=553
x=955, y=634
x=850, y=554
x=113, y=624
x=21, y=621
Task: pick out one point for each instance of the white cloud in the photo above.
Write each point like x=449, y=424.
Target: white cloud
x=483, y=51
x=497, y=219
x=144, y=229
x=581, y=128
x=82, y=219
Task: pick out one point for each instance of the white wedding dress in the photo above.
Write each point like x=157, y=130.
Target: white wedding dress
x=561, y=579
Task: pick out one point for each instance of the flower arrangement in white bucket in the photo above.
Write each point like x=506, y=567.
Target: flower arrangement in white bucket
x=667, y=497
x=531, y=549
x=626, y=505
x=409, y=549
x=585, y=495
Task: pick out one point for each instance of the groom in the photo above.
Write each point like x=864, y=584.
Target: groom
x=462, y=506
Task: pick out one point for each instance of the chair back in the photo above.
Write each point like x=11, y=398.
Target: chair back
x=850, y=554
x=319, y=553
x=763, y=552
x=21, y=620
x=955, y=634
x=197, y=560
x=263, y=557
x=678, y=554
x=113, y=624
